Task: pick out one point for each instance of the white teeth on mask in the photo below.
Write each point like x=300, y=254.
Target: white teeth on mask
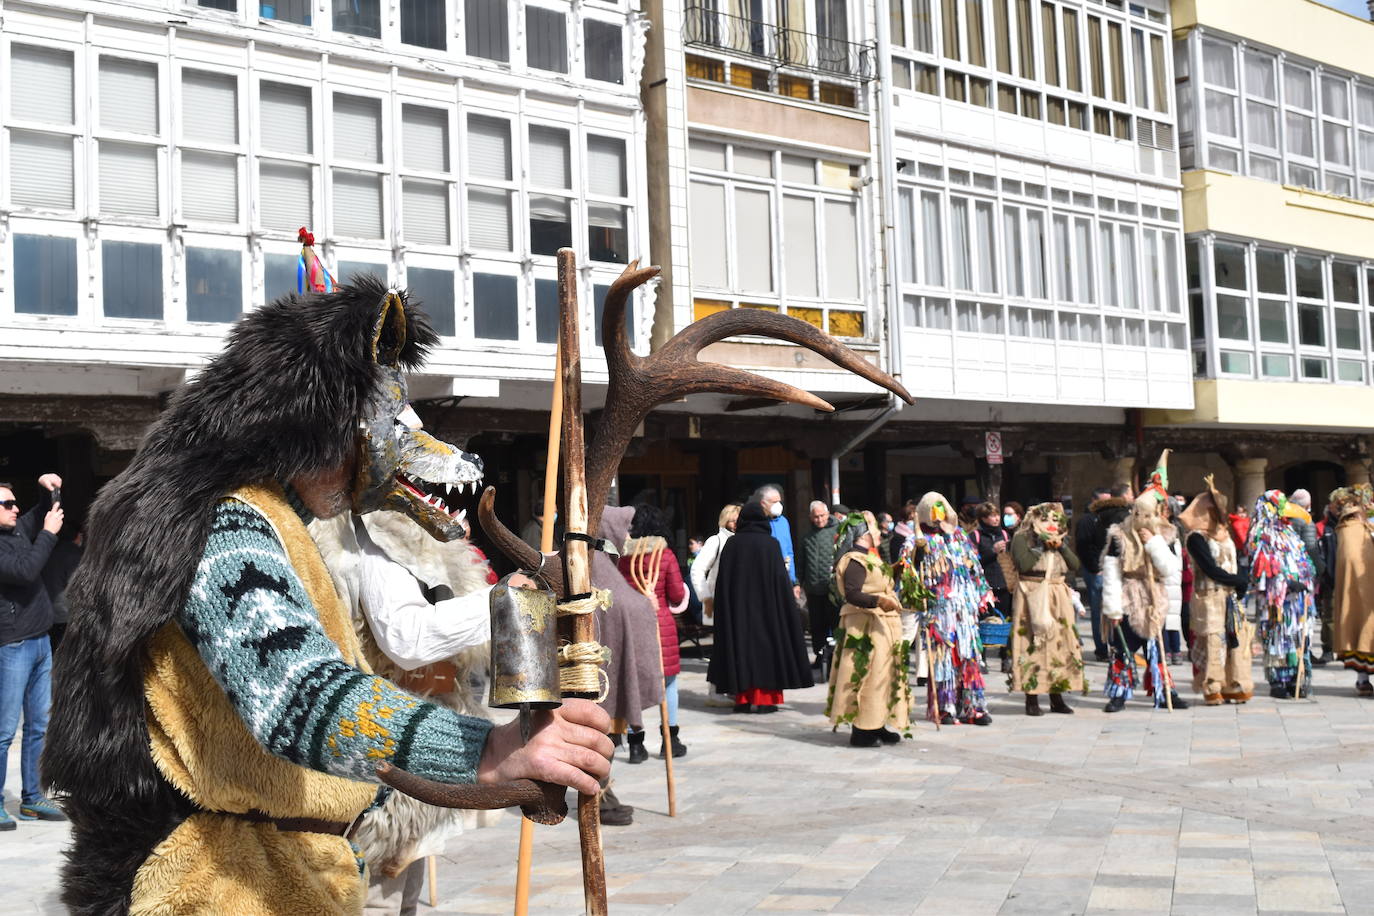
x=462, y=515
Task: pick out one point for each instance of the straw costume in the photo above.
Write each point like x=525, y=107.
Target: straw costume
x=1045, y=653
x=944, y=563
x=1282, y=592
x=1353, y=509
x=869, y=687
x=1221, y=633
x=1137, y=562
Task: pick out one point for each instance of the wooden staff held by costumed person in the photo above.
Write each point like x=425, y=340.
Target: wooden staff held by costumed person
x=636, y=386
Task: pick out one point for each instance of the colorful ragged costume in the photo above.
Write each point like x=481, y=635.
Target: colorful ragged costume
x=1221, y=633
x=1046, y=656
x=1353, y=620
x=944, y=563
x=1282, y=593
x=215, y=725
x=869, y=686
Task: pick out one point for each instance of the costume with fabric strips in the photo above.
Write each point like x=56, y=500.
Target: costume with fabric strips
x=945, y=563
x=421, y=612
x=1353, y=620
x=1045, y=651
x=1139, y=559
x=1282, y=592
x=1221, y=633
x=216, y=728
x=869, y=686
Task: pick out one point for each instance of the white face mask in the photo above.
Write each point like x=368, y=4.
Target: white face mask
x=775, y=510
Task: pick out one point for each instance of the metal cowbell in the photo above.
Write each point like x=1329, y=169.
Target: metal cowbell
x=524, y=648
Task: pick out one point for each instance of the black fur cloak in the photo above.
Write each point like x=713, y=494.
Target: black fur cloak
x=284, y=397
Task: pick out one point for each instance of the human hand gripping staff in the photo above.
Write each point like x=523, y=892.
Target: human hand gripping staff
x=636, y=386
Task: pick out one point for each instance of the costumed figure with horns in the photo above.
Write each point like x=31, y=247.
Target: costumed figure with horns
x=1138, y=561
x=945, y=567
x=1282, y=590
x=1221, y=633
x=216, y=728
x=1045, y=653
x=869, y=687
x=1352, y=508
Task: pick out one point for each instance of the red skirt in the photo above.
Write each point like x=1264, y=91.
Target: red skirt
x=756, y=697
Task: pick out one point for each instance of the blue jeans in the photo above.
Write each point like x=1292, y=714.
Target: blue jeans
x=25, y=686
x=670, y=694
x=1094, y=583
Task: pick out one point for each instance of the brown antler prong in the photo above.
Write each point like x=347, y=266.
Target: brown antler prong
x=542, y=802
x=516, y=550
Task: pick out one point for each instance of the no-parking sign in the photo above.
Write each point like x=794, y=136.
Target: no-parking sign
x=992, y=444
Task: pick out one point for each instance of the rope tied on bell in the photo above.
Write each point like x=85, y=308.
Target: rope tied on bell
x=581, y=664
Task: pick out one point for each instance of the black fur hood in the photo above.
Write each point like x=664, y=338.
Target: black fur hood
x=1111, y=502
x=283, y=397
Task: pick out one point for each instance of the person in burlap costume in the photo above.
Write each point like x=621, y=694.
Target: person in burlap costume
x=869, y=686
x=1045, y=653
x=1137, y=562
x=1221, y=633
x=1354, y=598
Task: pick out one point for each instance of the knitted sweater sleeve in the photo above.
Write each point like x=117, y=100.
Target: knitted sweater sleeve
x=250, y=619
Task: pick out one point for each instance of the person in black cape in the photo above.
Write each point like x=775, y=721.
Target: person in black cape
x=759, y=648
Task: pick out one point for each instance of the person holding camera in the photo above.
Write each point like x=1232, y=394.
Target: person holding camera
x=26, y=615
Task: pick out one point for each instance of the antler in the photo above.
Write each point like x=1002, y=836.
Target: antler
x=542, y=802
x=638, y=384
x=509, y=543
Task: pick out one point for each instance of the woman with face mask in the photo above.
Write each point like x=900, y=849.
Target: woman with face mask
x=1012, y=513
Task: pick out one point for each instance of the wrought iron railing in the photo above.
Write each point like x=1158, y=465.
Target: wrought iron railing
x=781, y=46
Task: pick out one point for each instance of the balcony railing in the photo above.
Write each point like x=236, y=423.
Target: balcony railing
x=781, y=46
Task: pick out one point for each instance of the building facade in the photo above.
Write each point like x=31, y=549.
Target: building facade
x=1277, y=139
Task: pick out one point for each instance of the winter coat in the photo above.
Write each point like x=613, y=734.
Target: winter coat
x=25, y=609
x=1104, y=514
x=1173, y=587
x=669, y=593
x=758, y=634
x=818, y=559
x=1167, y=566
x=986, y=539
x=707, y=564
x=629, y=628
x=1311, y=543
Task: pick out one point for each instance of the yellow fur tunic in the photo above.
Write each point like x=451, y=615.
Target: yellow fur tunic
x=213, y=863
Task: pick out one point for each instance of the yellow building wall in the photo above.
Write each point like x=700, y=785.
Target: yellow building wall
x=1284, y=405
x=1302, y=27
x=1249, y=207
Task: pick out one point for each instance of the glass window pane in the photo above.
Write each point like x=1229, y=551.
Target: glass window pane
x=1219, y=63
x=1229, y=259
x=358, y=204
x=1312, y=325
x=422, y=23
x=799, y=232
x=710, y=248
x=756, y=162
x=357, y=17
x=990, y=318
x=128, y=179
x=350, y=270
x=1036, y=255
x=131, y=274
x=1232, y=321
x=1259, y=75
x=960, y=256
x=424, y=134
x=41, y=81
x=489, y=148
x=1299, y=133
x=1235, y=363
x=284, y=114
x=1297, y=86
x=1364, y=105
x=546, y=37
x=279, y=275
x=210, y=186
x=550, y=157
x=986, y=246
x=1350, y=370
x=495, y=307
x=1271, y=271
x=1151, y=270
x=1315, y=368
x=1346, y=323
x=1129, y=280
x=214, y=284
x=1310, y=282
x=41, y=170
x=608, y=233
x=128, y=96
x=1261, y=124
x=605, y=55
x=489, y=219
x=1063, y=258
x=1273, y=321
x=550, y=224
x=487, y=32
x=606, y=166
x=1011, y=231
x=842, y=250
x=546, y=311
x=1274, y=365
x=1345, y=281
x=424, y=211
x=209, y=107
x=44, y=275
x=753, y=241
x=932, y=239
x=433, y=289
x=1335, y=97
x=1336, y=143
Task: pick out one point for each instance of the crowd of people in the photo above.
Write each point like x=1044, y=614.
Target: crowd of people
x=929, y=599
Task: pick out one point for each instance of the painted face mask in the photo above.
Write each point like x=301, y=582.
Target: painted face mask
x=401, y=467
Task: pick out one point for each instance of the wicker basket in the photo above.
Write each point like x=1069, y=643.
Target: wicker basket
x=994, y=631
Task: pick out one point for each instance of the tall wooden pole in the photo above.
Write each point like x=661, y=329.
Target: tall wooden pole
x=550, y=504
x=577, y=575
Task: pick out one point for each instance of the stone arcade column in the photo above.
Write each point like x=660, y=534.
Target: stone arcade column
x=1249, y=480
x=1123, y=470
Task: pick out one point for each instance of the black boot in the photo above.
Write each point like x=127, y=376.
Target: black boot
x=613, y=813
x=888, y=736
x=1115, y=704
x=1033, y=705
x=638, y=754
x=679, y=749
x=1058, y=705
x=864, y=737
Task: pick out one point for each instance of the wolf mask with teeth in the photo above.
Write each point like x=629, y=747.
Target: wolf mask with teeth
x=303, y=385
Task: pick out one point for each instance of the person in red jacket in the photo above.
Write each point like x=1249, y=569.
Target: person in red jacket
x=650, y=565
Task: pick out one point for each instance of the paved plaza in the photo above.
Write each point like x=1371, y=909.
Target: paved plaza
x=1262, y=808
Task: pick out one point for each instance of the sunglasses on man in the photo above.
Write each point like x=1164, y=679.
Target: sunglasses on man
x=9, y=504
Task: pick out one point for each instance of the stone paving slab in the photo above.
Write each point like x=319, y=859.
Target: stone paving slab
x=1262, y=808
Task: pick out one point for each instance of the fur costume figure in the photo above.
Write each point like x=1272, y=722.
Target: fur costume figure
x=1282, y=592
x=1352, y=509
x=197, y=541
x=1221, y=634
x=1046, y=656
x=403, y=830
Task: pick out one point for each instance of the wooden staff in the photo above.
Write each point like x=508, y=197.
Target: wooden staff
x=932, y=687
x=1164, y=673
x=577, y=573
x=432, y=865
x=522, y=874
x=645, y=567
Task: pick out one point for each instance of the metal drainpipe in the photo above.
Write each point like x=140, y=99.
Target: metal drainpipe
x=887, y=189
x=893, y=405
